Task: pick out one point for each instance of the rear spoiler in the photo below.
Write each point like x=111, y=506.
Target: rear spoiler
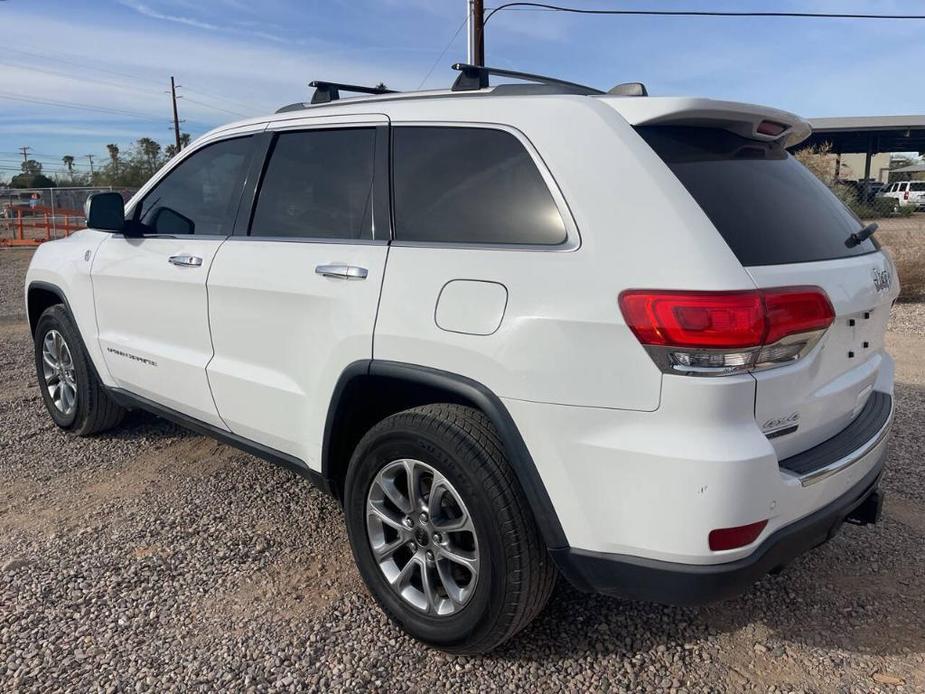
x=747, y=120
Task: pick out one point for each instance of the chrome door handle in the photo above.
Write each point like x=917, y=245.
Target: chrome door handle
x=186, y=260
x=344, y=272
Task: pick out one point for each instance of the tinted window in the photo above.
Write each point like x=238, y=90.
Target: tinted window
x=470, y=185
x=318, y=184
x=768, y=207
x=200, y=195
x=920, y=186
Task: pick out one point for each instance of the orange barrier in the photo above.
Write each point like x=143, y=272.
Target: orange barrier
x=38, y=224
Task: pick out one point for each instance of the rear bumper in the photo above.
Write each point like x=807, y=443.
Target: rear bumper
x=688, y=584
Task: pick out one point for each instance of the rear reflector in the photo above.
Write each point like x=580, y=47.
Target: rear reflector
x=732, y=538
x=726, y=332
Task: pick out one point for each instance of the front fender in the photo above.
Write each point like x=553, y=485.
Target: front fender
x=63, y=267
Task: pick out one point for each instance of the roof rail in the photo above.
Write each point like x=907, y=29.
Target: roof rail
x=330, y=91
x=473, y=77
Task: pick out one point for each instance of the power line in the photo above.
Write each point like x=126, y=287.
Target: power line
x=133, y=78
x=211, y=95
x=120, y=85
x=68, y=60
x=76, y=106
x=217, y=108
x=697, y=13
x=443, y=52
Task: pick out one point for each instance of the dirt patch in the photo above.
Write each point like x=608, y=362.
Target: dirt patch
x=907, y=512
x=294, y=586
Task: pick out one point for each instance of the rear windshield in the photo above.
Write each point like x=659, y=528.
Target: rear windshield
x=917, y=186
x=768, y=207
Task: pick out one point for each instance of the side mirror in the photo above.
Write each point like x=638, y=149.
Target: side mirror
x=105, y=212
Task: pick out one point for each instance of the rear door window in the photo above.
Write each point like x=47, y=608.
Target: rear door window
x=766, y=205
x=470, y=185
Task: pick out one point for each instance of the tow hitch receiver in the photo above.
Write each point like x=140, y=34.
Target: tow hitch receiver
x=869, y=511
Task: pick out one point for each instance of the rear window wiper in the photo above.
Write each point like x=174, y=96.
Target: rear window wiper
x=859, y=237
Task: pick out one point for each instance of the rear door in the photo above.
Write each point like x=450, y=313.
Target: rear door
x=149, y=285
x=788, y=229
x=293, y=299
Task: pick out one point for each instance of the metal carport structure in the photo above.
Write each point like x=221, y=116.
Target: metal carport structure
x=869, y=135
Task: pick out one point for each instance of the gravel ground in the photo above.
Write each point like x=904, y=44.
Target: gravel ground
x=13, y=265
x=152, y=559
x=908, y=319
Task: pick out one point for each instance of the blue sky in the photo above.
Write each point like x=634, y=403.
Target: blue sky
x=238, y=58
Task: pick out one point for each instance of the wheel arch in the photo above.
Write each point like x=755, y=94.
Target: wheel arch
x=39, y=297
x=370, y=390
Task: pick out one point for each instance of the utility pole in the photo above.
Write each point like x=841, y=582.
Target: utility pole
x=475, y=53
x=25, y=153
x=90, y=159
x=176, y=118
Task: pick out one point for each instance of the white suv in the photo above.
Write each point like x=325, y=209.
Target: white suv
x=517, y=330
x=906, y=193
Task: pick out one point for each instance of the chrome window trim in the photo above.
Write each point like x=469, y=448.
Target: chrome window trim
x=191, y=149
x=328, y=122
x=184, y=237
x=307, y=239
x=572, y=240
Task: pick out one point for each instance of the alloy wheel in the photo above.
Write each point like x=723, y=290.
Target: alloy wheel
x=422, y=537
x=58, y=370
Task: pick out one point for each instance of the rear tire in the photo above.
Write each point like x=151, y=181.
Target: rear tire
x=489, y=574
x=71, y=391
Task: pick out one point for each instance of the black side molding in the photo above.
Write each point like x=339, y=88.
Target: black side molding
x=48, y=287
x=131, y=400
x=467, y=391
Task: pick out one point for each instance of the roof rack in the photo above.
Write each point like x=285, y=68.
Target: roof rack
x=330, y=91
x=473, y=77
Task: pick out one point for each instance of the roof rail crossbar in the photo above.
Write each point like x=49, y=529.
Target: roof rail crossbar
x=330, y=91
x=472, y=77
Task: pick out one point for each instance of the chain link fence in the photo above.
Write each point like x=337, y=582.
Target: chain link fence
x=29, y=216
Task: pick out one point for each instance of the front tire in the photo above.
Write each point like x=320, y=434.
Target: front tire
x=441, y=531
x=71, y=391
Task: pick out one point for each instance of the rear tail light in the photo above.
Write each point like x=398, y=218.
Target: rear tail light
x=733, y=538
x=717, y=333
x=906, y=195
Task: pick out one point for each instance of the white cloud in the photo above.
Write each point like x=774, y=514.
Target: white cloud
x=142, y=8
x=255, y=77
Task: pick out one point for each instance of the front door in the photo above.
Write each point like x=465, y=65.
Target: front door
x=149, y=284
x=294, y=301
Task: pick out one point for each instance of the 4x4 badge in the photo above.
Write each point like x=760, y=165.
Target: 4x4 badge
x=882, y=279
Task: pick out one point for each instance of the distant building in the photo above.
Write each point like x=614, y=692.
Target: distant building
x=861, y=146
x=852, y=166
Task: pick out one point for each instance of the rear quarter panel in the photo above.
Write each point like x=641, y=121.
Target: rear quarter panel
x=562, y=338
